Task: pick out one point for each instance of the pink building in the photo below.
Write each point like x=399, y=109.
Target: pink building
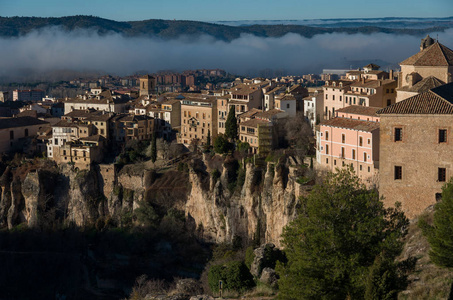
x=351, y=139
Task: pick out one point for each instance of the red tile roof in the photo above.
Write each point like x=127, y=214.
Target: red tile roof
x=435, y=101
x=351, y=124
x=360, y=110
x=434, y=55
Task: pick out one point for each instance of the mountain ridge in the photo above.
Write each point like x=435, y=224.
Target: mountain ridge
x=172, y=29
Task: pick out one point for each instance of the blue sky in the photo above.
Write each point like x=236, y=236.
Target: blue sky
x=227, y=10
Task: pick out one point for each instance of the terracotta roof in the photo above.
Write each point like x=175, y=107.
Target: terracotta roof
x=352, y=124
x=64, y=123
x=20, y=122
x=244, y=89
x=434, y=55
x=253, y=123
x=250, y=113
x=268, y=114
x=372, y=83
x=93, y=138
x=360, y=110
x=423, y=85
x=435, y=101
x=28, y=113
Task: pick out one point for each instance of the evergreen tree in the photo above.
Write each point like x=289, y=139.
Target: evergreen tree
x=153, y=148
x=231, y=125
x=440, y=234
x=340, y=230
x=208, y=139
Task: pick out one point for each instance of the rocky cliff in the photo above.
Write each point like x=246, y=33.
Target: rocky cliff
x=252, y=202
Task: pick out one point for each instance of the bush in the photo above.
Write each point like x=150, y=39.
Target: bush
x=215, y=175
x=234, y=275
x=249, y=257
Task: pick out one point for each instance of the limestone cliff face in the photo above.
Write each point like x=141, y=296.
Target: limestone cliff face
x=255, y=206
x=258, y=210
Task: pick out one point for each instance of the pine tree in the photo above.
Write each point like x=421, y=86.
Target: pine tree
x=231, y=125
x=440, y=234
x=340, y=229
x=154, y=148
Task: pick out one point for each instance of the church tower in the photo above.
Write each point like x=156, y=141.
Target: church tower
x=426, y=42
x=147, y=85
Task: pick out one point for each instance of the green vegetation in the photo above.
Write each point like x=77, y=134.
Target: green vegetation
x=234, y=275
x=440, y=234
x=342, y=236
x=231, y=125
x=222, y=145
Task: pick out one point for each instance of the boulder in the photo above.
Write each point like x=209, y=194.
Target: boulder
x=269, y=277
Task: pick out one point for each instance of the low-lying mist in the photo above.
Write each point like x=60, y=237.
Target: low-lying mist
x=52, y=49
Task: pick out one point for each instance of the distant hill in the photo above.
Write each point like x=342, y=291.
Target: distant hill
x=167, y=29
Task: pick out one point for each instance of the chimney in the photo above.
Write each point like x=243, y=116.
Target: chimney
x=391, y=75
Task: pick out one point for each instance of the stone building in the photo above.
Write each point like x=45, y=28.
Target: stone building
x=434, y=59
x=198, y=118
x=416, y=149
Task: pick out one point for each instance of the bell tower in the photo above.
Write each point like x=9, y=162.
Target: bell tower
x=147, y=85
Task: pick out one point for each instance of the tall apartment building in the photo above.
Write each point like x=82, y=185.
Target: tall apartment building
x=28, y=95
x=198, y=118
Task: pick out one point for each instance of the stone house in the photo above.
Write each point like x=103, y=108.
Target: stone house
x=416, y=149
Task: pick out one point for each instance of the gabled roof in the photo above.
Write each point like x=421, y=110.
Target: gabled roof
x=360, y=110
x=20, y=122
x=423, y=85
x=351, y=124
x=435, y=101
x=434, y=55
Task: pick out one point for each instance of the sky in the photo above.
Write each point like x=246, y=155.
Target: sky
x=227, y=10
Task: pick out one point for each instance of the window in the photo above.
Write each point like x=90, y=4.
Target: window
x=369, y=141
x=340, y=98
x=333, y=97
x=11, y=135
x=353, y=153
x=287, y=105
x=369, y=169
x=327, y=160
x=327, y=135
x=342, y=152
x=327, y=149
x=334, y=162
x=364, y=156
x=360, y=141
x=26, y=132
x=442, y=135
x=326, y=96
x=398, y=134
x=389, y=102
x=441, y=174
x=398, y=172
x=343, y=138
x=360, y=167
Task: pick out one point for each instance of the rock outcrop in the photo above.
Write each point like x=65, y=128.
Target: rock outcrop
x=251, y=202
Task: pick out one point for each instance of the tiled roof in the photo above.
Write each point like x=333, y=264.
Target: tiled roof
x=269, y=114
x=64, y=123
x=351, y=124
x=423, y=85
x=250, y=113
x=434, y=55
x=253, y=123
x=20, y=122
x=372, y=83
x=93, y=138
x=360, y=110
x=435, y=101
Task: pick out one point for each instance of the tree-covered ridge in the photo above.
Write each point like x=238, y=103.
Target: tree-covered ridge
x=169, y=29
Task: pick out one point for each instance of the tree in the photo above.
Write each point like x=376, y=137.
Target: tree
x=153, y=148
x=222, y=145
x=340, y=230
x=440, y=234
x=208, y=139
x=231, y=125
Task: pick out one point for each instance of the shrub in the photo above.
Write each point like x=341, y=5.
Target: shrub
x=234, y=275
